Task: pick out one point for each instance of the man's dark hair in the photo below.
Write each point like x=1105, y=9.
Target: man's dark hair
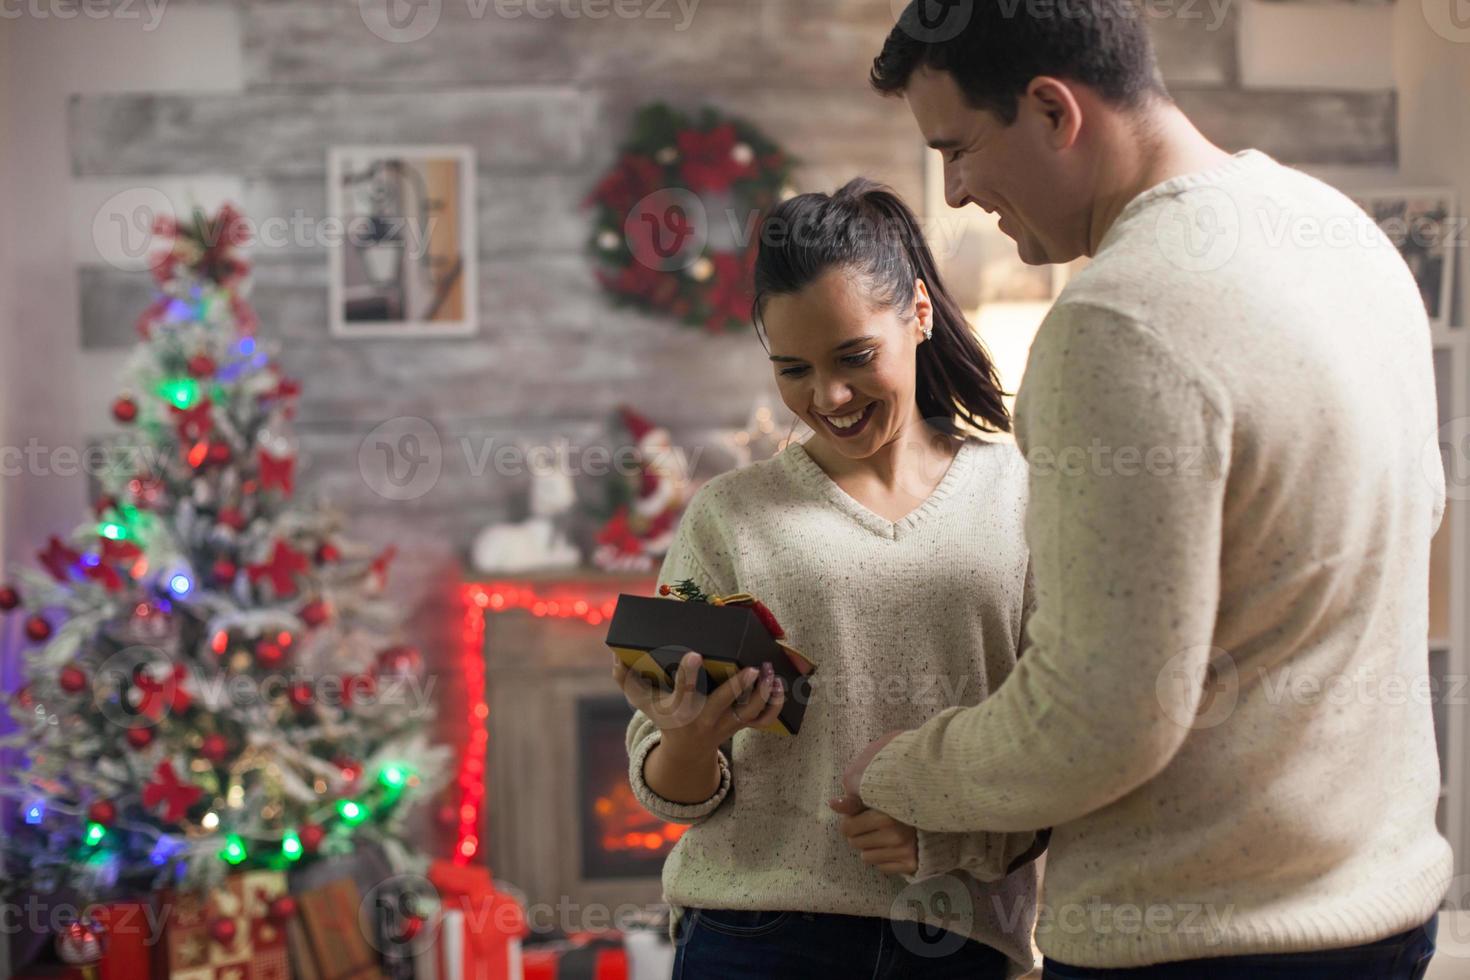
x=994, y=48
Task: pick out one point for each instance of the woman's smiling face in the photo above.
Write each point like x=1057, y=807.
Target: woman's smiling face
x=844, y=362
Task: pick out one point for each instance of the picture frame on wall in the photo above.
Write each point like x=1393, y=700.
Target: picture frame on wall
x=1423, y=224
x=404, y=263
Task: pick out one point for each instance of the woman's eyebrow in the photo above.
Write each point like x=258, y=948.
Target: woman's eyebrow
x=867, y=338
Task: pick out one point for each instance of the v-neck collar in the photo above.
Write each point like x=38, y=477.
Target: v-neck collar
x=805, y=470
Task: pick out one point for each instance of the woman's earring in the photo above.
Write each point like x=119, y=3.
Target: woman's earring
x=928, y=331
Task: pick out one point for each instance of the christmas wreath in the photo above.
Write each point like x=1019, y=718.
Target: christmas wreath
x=677, y=215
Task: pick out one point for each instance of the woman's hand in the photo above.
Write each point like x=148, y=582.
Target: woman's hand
x=693, y=723
x=883, y=842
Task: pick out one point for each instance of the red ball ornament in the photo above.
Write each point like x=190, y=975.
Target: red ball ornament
x=224, y=570
x=9, y=598
x=37, y=628
x=327, y=552
x=231, y=517
x=269, y=654
x=302, y=694
x=201, y=366
x=73, y=680
x=219, y=452
x=24, y=697
x=215, y=748
x=222, y=931
x=140, y=738
x=314, y=613
x=124, y=409
x=351, y=769
x=282, y=907
x=311, y=835
x=399, y=661
x=103, y=812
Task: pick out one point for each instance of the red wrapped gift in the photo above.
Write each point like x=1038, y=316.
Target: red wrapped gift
x=583, y=956
x=480, y=928
x=131, y=937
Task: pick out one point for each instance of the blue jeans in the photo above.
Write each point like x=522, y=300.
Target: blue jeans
x=725, y=944
x=1402, y=957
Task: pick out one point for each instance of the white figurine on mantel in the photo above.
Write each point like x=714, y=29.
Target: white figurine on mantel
x=536, y=543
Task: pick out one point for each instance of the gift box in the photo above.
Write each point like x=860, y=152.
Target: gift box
x=651, y=634
x=228, y=934
x=332, y=942
x=479, y=929
x=130, y=940
x=582, y=956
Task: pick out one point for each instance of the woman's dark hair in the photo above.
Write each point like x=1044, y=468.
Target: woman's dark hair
x=994, y=48
x=866, y=229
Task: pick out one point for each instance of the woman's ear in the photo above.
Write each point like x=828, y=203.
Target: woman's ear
x=923, y=310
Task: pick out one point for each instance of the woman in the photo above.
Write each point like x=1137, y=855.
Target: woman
x=889, y=547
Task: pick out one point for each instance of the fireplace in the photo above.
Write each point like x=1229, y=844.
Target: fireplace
x=559, y=821
x=620, y=839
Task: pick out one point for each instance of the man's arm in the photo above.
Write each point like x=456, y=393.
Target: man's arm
x=1127, y=447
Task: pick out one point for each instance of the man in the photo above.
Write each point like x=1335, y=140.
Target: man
x=1230, y=422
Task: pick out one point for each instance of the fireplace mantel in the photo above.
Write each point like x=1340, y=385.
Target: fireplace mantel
x=543, y=653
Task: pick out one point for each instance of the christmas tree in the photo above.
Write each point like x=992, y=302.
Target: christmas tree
x=213, y=678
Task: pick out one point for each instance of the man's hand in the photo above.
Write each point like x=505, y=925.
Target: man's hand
x=883, y=842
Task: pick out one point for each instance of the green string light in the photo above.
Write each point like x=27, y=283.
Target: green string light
x=393, y=777
x=180, y=392
x=352, y=813
x=112, y=532
x=234, y=851
x=96, y=833
x=291, y=846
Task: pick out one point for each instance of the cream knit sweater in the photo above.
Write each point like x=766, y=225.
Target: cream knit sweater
x=1231, y=433
x=903, y=619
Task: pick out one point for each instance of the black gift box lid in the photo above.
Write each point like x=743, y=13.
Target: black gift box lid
x=651, y=635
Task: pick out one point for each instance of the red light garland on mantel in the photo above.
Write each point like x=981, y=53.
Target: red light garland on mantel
x=502, y=597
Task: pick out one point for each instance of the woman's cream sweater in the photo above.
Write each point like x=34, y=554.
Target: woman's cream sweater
x=903, y=620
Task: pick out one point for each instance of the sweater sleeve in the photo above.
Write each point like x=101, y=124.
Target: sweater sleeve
x=984, y=856
x=694, y=552
x=1127, y=448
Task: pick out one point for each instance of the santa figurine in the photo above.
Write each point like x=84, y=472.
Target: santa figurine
x=639, y=533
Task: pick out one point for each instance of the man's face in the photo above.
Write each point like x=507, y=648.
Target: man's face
x=1012, y=170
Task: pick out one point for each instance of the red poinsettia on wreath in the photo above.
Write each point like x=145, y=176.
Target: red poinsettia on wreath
x=651, y=252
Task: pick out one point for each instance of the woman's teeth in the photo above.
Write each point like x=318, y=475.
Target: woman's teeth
x=848, y=426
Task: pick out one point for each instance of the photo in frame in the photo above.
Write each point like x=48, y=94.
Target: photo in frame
x=1423, y=224
x=405, y=261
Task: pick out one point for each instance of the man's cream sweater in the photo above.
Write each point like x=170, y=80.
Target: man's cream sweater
x=903, y=619
x=1230, y=425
